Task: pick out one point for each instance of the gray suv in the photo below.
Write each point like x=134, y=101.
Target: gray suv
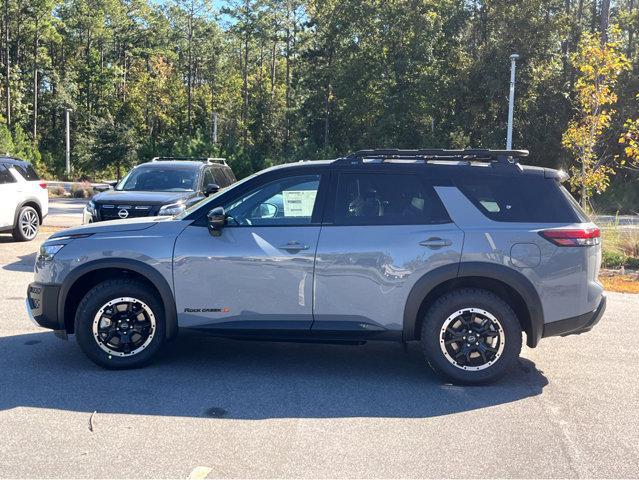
x=460, y=250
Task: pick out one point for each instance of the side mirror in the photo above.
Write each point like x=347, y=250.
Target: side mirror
x=211, y=188
x=216, y=219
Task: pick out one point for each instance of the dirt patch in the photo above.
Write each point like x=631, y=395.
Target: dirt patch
x=628, y=283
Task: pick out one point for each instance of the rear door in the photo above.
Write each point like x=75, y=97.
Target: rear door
x=384, y=232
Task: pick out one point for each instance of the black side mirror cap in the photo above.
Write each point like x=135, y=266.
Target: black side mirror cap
x=216, y=220
x=211, y=188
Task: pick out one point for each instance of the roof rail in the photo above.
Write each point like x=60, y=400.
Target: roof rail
x=190, y=159
x=433, y=154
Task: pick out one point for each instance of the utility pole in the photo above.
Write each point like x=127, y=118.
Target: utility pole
x=68, y=142
x=511, y=102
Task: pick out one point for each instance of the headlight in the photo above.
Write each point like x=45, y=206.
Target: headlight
x=172, y=209
x=47, y=252
x=90, y=207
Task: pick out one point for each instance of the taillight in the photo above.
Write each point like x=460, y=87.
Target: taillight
x=582, y=237
x=42, y=185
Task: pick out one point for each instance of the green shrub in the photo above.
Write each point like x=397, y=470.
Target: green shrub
x=633, y=262
x=613, y=259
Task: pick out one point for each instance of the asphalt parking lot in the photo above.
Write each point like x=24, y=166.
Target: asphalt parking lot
x=295, y=410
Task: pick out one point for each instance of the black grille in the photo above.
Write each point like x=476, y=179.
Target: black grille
x=116, y=212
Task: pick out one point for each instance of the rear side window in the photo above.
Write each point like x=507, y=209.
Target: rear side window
x=27, y=171
x=231, y=176
x=520, y=199
x=5, y=175
x=387, y=199
x=220, y=178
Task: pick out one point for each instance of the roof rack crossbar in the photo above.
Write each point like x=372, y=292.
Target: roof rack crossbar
x=500, y=156
x=190, y=159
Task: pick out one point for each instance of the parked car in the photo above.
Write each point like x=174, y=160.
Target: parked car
x=163, y=186
x=25, y=200
x=462, y=251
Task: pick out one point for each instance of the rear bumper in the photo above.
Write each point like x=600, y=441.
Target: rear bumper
x=42, y=305
x=575, y=325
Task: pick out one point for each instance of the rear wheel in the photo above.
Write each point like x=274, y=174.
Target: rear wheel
x=471, y=336
x=120, y=324
x=27, y=226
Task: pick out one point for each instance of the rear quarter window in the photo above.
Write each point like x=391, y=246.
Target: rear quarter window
x=521, y=199
x=27, y=171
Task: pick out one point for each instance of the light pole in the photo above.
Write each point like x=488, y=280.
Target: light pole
x=68, y=142
x=511, y=102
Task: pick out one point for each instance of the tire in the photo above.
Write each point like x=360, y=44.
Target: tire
x=99, y=318
x=488, y=322
x=27, y=225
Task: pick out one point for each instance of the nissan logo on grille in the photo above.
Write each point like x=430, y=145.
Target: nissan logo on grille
x=123, y=213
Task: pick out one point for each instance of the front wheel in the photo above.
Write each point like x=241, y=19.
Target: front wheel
x=471, y=336
x=120, y=324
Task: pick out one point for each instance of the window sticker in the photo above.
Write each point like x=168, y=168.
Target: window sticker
x=299, y=203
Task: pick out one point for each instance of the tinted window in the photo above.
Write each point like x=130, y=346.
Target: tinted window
x=5, y=175
x=27, y=171
x=230, y=175
x=220, y=179
x=386, y=199
x=160, y=179
x=288, y=201
x=519, y=199
x=208, y=178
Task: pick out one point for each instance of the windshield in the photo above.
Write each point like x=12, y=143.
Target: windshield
x=206, y=200
x=156, y=179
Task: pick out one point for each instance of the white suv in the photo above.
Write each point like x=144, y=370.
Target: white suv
x=24, y=200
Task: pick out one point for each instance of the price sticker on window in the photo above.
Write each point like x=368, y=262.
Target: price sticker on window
x=299, y=203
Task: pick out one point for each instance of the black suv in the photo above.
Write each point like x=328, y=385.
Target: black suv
x=163, y=186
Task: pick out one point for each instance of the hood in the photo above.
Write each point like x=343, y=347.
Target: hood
x=113, y=226
x=118, y=197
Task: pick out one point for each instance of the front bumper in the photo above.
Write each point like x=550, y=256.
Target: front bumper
x=576, y=325
x=42, y=305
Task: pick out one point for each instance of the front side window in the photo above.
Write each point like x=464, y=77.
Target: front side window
x=386, y=199
x=288, y=201
x=160, y=180
x=208, y=178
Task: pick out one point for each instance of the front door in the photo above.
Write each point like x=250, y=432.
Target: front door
x=387, y=231
x=258, y=273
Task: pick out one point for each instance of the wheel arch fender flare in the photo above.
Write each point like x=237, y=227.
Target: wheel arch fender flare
x=153, y=276
x=28, y=200
x=506, y=275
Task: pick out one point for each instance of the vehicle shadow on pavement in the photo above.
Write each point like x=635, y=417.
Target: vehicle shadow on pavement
x=24, y=264
x=218, y=378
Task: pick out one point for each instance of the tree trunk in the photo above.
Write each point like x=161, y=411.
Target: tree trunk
x=327, y=113
x=189, y=92
x=7, y=64
x=604, y=21
x=245, y=105
x=36, y=83
x=273, y=67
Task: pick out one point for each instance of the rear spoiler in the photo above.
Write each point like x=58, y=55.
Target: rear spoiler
x=558, y=175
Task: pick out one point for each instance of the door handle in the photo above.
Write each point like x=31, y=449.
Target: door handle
x=436, y=242
x=293, y=246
